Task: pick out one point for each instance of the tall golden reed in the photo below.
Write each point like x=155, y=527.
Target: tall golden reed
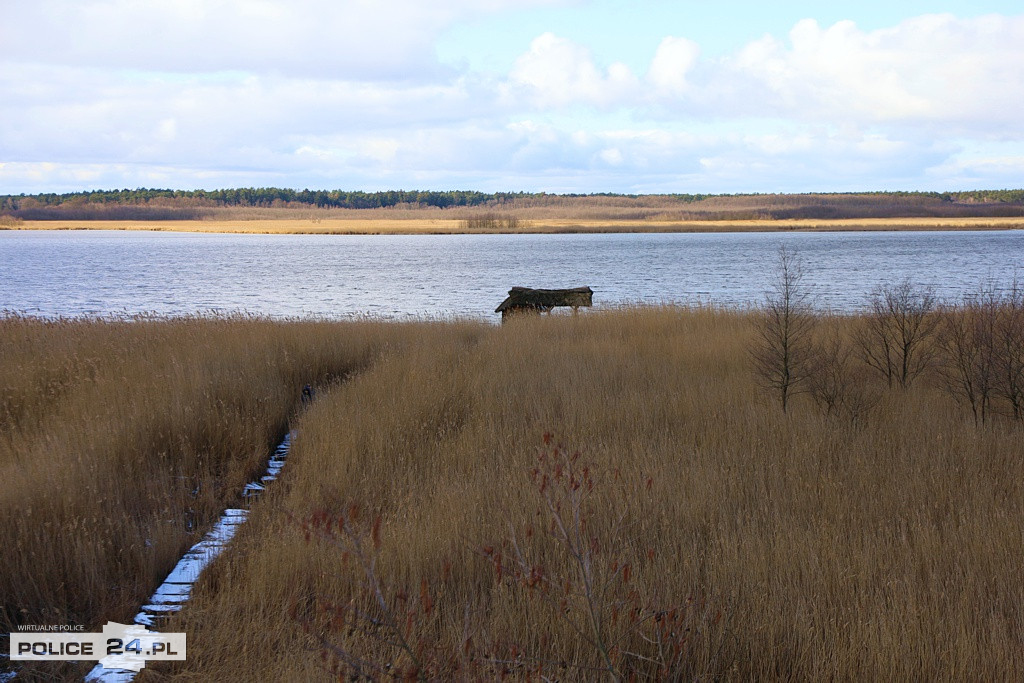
x=798, y=546
x=122, y=441
x=793, y=545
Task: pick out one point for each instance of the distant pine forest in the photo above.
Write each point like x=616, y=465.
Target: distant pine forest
x=266, y=202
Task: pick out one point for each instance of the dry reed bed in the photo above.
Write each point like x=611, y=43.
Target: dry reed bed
x=790, y=546
x=426, y=221
x=122, y=441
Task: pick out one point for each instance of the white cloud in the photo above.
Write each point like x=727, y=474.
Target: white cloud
x=199, y=121
x=556, y=72
x=611, y=156
x=71, y=176
x=672, y=63
x=195, y=93
x=934, y=68
x=529, y=155
x=352, y=39
x=982, y=167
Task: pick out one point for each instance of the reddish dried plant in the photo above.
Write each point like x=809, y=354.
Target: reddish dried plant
x=588, y=581
x=387, y=621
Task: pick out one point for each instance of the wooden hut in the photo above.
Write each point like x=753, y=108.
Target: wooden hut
x=527, y=300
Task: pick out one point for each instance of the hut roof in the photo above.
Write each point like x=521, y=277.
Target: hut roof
x=525, y=297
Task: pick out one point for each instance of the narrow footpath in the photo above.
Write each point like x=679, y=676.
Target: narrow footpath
x=176, y=589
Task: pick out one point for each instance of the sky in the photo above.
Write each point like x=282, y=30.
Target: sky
x=647, y=96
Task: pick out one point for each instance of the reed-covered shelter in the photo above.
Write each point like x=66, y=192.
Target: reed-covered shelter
x=527, y=300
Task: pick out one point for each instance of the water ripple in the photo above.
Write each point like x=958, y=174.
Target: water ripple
x=338, y=276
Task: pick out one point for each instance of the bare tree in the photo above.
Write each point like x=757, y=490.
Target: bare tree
x=837, y=383
x=968, y=346
x=783, y=350
x=1010, y=350
x=895, y=339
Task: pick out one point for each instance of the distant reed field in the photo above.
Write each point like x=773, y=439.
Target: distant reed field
x=526, y=220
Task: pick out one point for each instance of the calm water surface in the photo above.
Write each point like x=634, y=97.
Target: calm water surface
x=72, y=273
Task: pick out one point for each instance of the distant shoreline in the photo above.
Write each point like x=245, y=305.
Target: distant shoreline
x=362, y=226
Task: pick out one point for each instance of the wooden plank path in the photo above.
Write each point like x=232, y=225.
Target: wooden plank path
x=176, y=589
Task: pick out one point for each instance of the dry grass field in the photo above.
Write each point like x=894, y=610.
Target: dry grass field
x=122, y=441
x=427, y=223
x=673, y=523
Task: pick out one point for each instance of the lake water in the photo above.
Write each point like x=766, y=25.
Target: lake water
x=71, y=273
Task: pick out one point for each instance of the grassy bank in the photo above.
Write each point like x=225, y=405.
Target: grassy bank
x=428, y=223
x=707, y=534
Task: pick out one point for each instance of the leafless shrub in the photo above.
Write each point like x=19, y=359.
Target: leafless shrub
x=896, y=337
x=1009, y=359
x=491, y=221
x=981, y=346
x=783, y=354
x=836, y=383
x=967, y=344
